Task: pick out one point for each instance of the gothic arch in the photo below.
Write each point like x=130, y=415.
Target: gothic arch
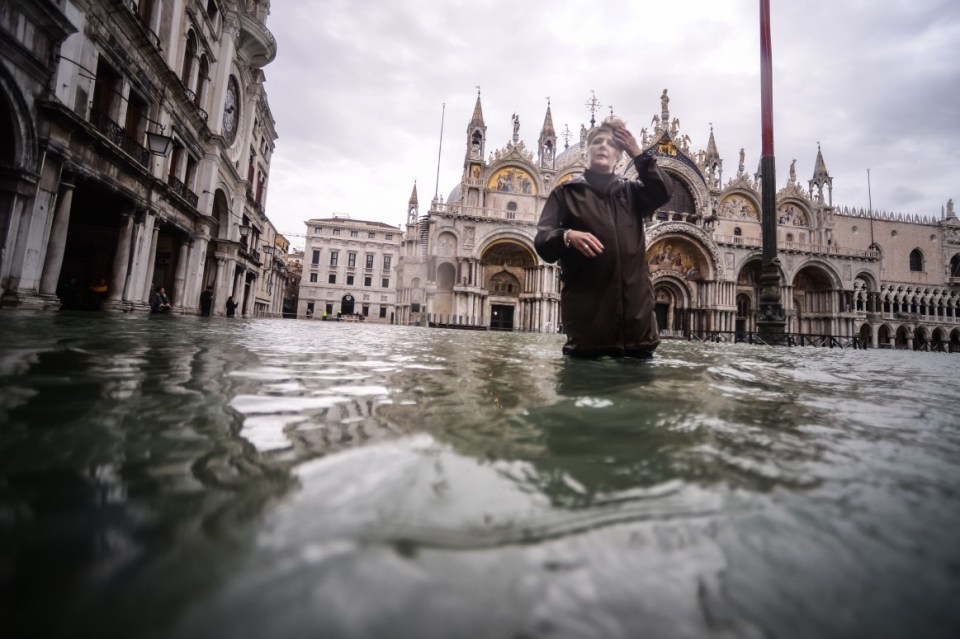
x=505, y=235
x=221, y=214
x=688, y=176
x=818, y=265
x=447, y=242
x=514, y=161
x=446, y=276
x=727, y=198
x=672, y=296
x=694, y=235
x=17, y=134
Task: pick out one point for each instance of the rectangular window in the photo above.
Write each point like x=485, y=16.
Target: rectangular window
x=354, y=234
x=388, y=236
x=371, y=235
x=334, y=257
x=386, y=262
x=313, y=277
x=316, y=256
x=385, y=283
x=351, y=259
x=368, y=281
x=349, y=280
x=309, y=308
x=332, y=278
x=383, y=311
x=336, y=231
x=369, y=260
x=366, y=310
x=329, y=309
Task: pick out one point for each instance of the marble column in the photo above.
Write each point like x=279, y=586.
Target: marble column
x=150, y=265
x=142, y=258
x=179, y=280
x=57, y=244
x=121, y=259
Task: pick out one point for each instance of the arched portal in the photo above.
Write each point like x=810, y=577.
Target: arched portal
x=883, y=336
x=902, y=338
x=866, y=335
x=814, y=301
x=938, y=341
x=504, y=263
x=748, y=295
x=671, y=306
x=347, y=304
x=954, y=346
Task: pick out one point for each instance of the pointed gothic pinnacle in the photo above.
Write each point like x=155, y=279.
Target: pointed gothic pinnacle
x=477, y=118
x=712, y=146
x=548, y=122
x=413, y=195
x=819, y=167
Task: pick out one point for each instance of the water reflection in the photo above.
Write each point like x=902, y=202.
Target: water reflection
x=201, y=477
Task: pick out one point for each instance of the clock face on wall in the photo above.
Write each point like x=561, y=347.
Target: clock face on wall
x=231, y=111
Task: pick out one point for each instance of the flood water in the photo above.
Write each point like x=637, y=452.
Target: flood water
x=201, y=477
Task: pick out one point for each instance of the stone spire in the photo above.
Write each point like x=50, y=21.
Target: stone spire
x=711, y=161
x=820, y=179
x=413, y=207
x=547, y=147
x=476, y=133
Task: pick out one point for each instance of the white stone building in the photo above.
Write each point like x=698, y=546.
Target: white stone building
x=886, y=279
x=88, y=201
x=349, y=270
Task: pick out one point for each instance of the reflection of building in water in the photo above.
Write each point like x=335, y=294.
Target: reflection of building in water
x=891, y=279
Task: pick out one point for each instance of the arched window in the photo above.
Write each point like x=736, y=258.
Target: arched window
x=681, y=202
x=737, y=231
x=955, y=266
x=916, y=260
x=511, y=210
x=202, y=80
x=188, y=56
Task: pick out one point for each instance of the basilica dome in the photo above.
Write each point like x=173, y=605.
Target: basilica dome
x=571, y=155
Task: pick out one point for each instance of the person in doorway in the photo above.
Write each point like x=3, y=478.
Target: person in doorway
x=206, y=301
x=231, y=307
x=594, y=225
x=159, y=302
x=98, y=291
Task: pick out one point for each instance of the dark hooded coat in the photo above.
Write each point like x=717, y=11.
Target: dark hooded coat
x=606, y=303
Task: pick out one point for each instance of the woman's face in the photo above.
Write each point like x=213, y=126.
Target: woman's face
x=603, y=152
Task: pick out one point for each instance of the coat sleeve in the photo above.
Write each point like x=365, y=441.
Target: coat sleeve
x=549, y=239
x=653, y=187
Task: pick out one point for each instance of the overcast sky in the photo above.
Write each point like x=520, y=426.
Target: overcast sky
x=358, y=88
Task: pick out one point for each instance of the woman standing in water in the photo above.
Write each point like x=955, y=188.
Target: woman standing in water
x=594, y=225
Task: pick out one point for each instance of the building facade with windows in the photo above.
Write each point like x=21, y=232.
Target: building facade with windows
x=128, y=125
x=349, y=270
x=887, y=279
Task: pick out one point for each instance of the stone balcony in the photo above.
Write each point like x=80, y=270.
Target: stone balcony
x=256, y=42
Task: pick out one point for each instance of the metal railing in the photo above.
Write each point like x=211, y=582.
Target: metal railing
x=822, y=249
x=118, y=135
x=786, y=339
x=181, y=189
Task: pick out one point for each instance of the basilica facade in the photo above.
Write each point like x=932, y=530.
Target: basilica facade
x=877, y=279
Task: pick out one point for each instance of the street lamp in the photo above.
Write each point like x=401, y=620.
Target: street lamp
x=268, y=250
x=158, y=143
x=244, y=231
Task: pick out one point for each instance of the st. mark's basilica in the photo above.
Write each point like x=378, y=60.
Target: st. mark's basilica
x=878, y=279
